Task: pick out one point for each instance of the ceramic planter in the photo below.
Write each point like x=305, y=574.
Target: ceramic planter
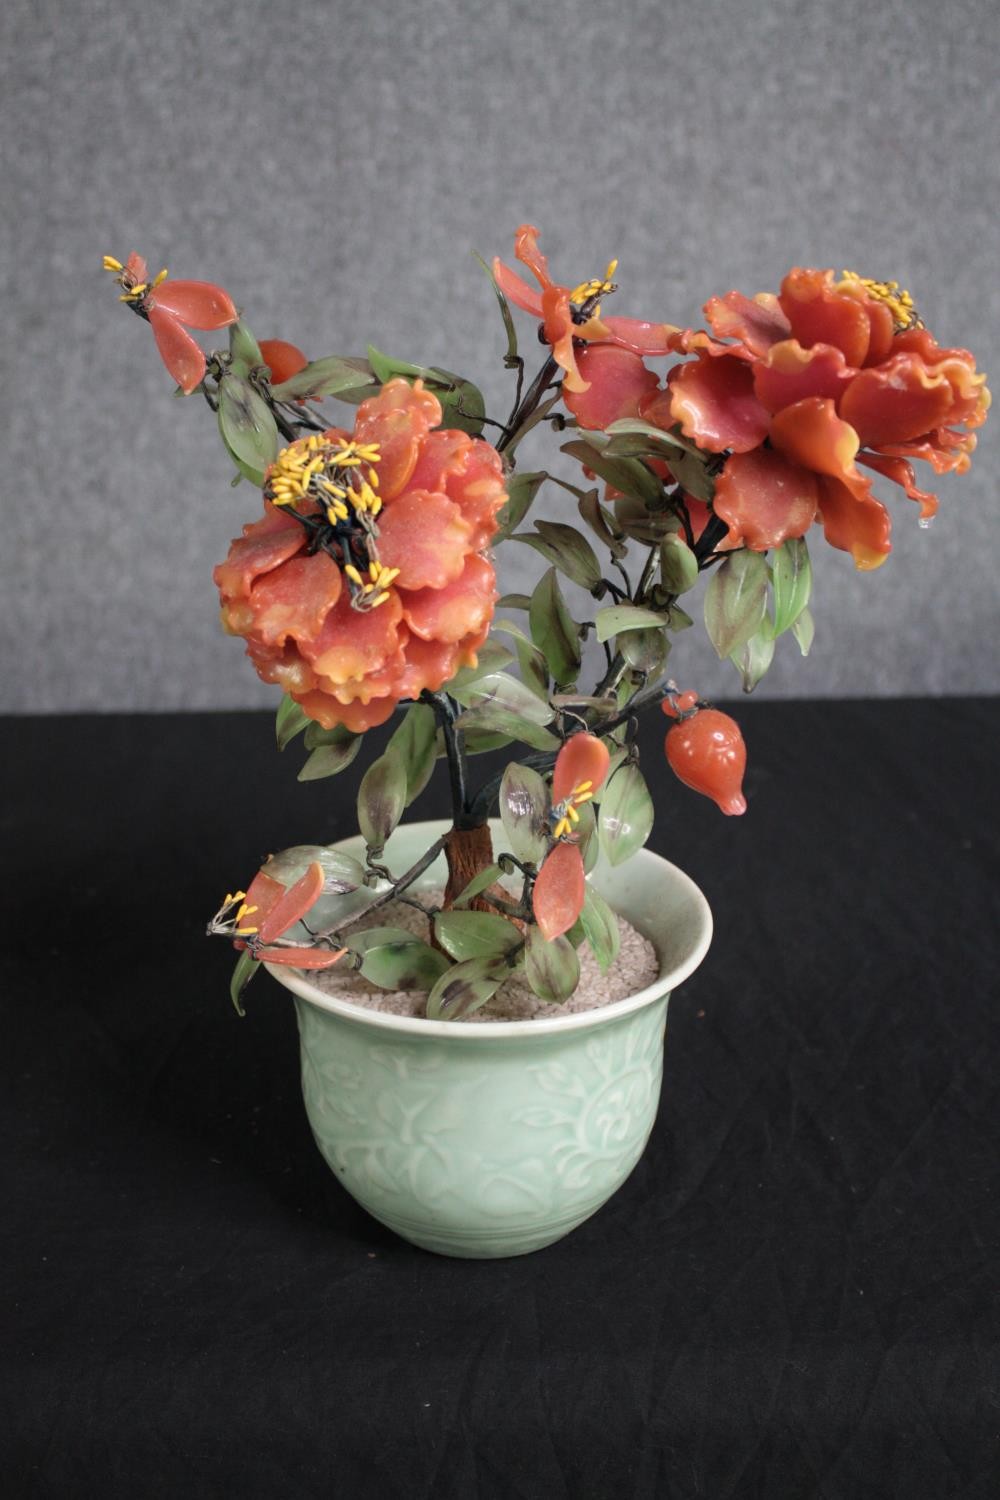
x=497, y=1138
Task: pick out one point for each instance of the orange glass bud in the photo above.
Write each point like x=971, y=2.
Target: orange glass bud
x=705, y=750
x=582, y=761
x=283, y=359
x=558, y=896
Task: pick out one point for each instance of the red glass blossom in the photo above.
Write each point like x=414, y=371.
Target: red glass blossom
x=268, y=911
x=560, y=887
x=282, y=358
x=604, y=379
x=171, y=307
x=826, y=376
x=364, y=582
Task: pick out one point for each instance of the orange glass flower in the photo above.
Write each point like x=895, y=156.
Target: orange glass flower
x=171, y=307
x=604, y=379
x=828, y=375
x=365, y=582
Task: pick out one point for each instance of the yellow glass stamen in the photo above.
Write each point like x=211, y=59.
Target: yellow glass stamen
x=897, y=299
x=247, y=931
x=110, y=264
x=353, y=574
x=562, y=828
x=160, y=277
x=572, y=813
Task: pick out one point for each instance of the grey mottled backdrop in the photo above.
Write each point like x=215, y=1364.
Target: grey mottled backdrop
x=334, y=164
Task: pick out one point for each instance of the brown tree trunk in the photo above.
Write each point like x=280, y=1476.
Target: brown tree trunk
x=468, y=851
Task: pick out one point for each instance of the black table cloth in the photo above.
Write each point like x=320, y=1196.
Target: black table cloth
x=793, y=1296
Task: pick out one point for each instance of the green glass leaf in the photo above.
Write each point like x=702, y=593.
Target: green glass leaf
x=521, y=491
x=524, y=811
x=475, y=934
x=247, y=426
x=803, y=630
x=479, y=741
x=678, y=565
x=626, y=815
x=608, y=622
x=641, y=524
x=289, y=721
x=735, y=601
x=245, y=968
x=492, y=657
x=754, y=657
x=510, y=358
x=343, y=376
x=465, y=988
x=494, y=721
x=514, y=601
x=791, y=582
x=414, y=745
x=244, y=350
x=462, y=403
x=329, y=760
x=587, y=836
x=630, y=475
x=602, y=523
x=551, y=966
x=566, y=549
x=662, y=442
x=553, y=630
x=316, y=735
x=403, y=963
x=501, y=690
x=342, y=872
x=534, y=669
x=600, y=928
x=645, y=650
x=381, y=800
x=477, y=885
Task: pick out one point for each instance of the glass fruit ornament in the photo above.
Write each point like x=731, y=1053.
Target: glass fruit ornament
x=705, y=750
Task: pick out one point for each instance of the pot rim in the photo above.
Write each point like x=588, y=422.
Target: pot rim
x=665, y=983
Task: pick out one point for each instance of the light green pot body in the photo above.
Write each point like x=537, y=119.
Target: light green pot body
x=497, y=1138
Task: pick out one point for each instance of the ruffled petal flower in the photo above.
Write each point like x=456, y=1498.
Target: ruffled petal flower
x=715, y=404
x=358, y=587
x=765, y=499
x=616, y=383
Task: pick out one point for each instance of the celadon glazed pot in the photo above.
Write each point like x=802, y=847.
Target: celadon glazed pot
x=496, y=1138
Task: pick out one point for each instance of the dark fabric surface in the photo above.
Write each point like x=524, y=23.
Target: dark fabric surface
x=793, y=1296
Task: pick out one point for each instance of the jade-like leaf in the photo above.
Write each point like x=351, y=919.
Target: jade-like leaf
x=247, y=425
x=600, y=928
x=475, y=934
x=566, y=549
x=381, y=800
x=753, y=658
x=510, y=358
x=465, y=988
x=553, y=630
x=289, y=721
x=491, y=657
x=678, y=564
x=641, y=524
x=521, y=491
x=693, y=475
x=514, y=601
x=316, y=735
x=479, y=741
x=244, y=350
x=402, y=963
x=500, y=690
x=328, y=760
x=244, y=970
x=803, y=630
x=414, y=744
x=791, y=582
x=602, y=523
x=630, y=475
x=524, y=811
x=645, y=650
x=492, y=720
x=477, y=885
x=342, y=872
x=626, y=815
x=343, y=376
x=609, y=621
x=660, y=439
x=735, y=601
x=551, y=967
x=534, y=669
x=586, y=833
